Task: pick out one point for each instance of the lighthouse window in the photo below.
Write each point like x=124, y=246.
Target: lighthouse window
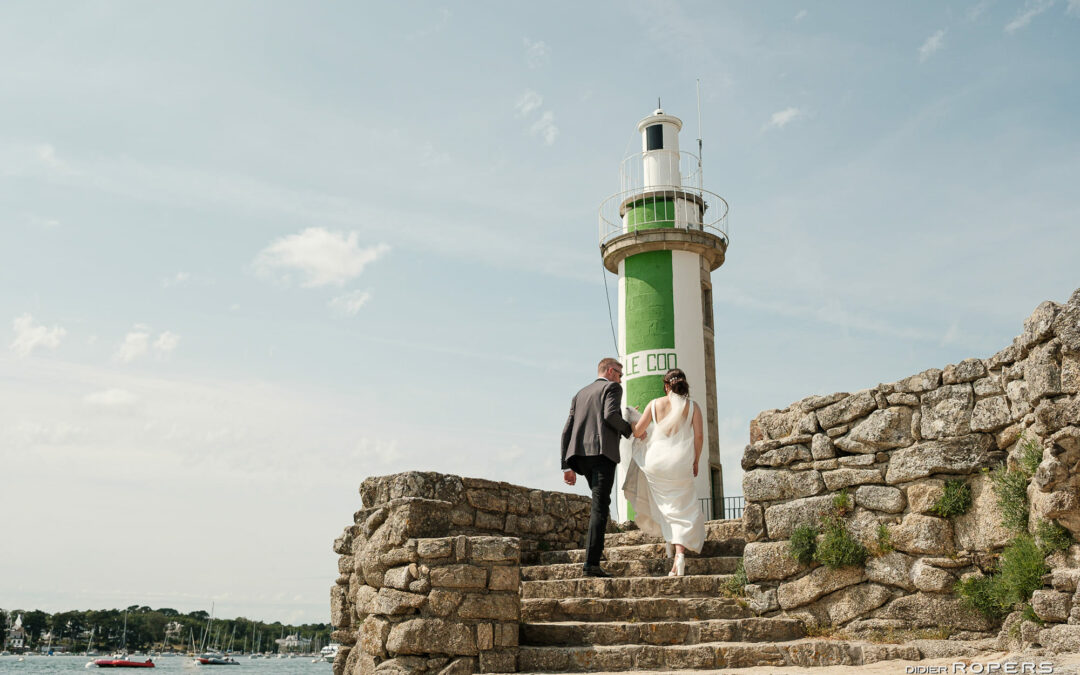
x=654, y=137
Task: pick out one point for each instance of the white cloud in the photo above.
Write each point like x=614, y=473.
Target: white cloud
x=784, y=117
x=136, y=343
x=952, y=336
x=47, y=155
x=322, y=257
x=432, y=28
x=350, y=303
x=111, y=398
x=1073, y=8
x=832, y=312
x=1032, y=9
x=536, y=53
x=173, y=186
x=178, y=279
x=528, y=102
x=29, y=335
x=545, y=128
x=932, y=44
x=166, y=343
x=430, y=157
x=976, y=10
x=42, y=222
x=801, y=15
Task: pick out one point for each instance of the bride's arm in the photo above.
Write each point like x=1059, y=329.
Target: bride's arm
x=698, y=437
x=643, y=423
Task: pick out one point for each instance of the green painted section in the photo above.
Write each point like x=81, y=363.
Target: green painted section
x=650, y=317
x=650, y=301
x=641, y=390
x=650, y=213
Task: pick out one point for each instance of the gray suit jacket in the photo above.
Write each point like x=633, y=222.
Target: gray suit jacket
x=595, y=424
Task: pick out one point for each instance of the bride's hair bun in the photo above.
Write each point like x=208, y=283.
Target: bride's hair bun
x=676, y=379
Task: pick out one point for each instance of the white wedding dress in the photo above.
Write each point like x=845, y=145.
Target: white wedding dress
x=660, y=480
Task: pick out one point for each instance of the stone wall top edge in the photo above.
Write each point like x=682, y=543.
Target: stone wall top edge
x=1042, y=325
x=377, y=490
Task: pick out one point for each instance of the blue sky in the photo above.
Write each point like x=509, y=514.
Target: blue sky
x=251, y=253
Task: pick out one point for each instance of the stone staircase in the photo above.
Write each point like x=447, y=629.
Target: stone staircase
x=641, y=619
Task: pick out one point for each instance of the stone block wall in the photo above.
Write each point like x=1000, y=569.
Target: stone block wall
x=430, y=571
x=892, y=448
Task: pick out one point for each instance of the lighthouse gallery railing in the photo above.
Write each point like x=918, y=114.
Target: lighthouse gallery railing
x=643, y=203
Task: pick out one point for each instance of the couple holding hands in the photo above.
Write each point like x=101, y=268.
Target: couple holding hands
x=664, y=461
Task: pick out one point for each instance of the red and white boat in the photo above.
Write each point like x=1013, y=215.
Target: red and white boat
x=121, y=663
x=216, y=660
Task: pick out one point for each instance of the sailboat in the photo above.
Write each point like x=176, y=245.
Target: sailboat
x=90, y=643
x=120, y=660
x=213, y=659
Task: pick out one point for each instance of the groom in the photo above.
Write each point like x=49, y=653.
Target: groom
x=590, y=446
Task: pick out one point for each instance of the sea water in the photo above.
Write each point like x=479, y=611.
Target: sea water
x=164, y=664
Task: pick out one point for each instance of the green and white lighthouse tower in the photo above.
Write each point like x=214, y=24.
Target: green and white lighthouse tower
x=663, y=234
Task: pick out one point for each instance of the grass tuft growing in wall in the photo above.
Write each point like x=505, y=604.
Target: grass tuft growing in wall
x=1029, y=458
x=1019, y=574
x=803, y=544
x=838, y=548
x=883, y=544
x=954, y=501
x=842, y=502
x=1052, y=537
x=1022, y=568
x=1010, y=489
x=735, y=586
x=1028, y=614
x=985, y=595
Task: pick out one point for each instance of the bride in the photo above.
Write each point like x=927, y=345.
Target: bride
x=660, y=481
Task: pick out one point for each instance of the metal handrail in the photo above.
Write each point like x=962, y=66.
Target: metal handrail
x=733, y=507
x=706, y=506
x=611, y=213
x=640, y=174
x=687, y=164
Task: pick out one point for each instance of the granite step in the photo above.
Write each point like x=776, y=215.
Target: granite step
x=655, y=567
x=708, y=655
x=696, y=586
x=637, y=609
x=579, y=633
x=715, y=530
x=711, y=548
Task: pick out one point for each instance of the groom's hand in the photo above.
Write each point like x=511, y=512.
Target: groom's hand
x=570, y=478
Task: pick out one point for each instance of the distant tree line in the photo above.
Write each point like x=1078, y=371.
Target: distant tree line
x=149, y=629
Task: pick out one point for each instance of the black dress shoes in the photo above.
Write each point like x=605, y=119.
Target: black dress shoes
x=595, y=571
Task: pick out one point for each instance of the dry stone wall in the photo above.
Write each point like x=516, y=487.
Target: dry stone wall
x=430, y=571
x=893, y=448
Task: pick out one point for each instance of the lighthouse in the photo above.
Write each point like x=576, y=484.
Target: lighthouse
x=663, y=234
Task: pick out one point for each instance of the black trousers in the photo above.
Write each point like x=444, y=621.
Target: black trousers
x=599, y=472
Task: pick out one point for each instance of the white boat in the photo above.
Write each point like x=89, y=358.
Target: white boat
x=329, y=652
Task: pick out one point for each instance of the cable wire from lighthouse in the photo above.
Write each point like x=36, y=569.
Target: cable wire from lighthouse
x=607, y=296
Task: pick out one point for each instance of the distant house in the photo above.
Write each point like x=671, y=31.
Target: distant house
x=16, y=638
x=293, y=643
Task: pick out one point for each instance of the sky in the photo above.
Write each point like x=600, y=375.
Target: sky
x=254, y=252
